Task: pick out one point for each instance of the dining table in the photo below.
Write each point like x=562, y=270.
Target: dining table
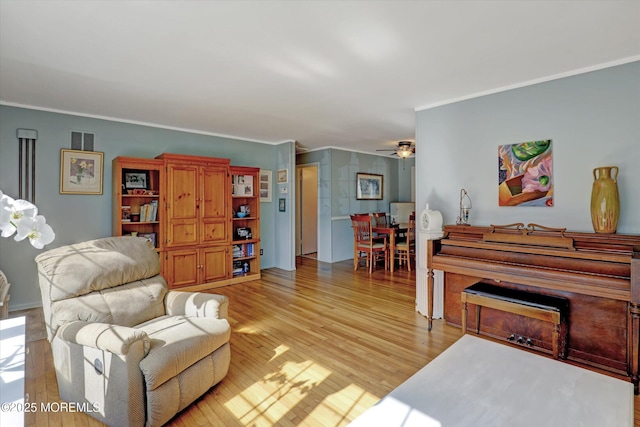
x=392, y=231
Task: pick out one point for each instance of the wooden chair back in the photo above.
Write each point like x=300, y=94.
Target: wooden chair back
x=406, y=249
x=379, y=219
x=411, y=228
x=364, y=242
x=362, y=225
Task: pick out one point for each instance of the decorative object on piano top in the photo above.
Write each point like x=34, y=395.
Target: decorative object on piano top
x=430, y=223
x=465, y=208
x=605, y=201
x=525, y=175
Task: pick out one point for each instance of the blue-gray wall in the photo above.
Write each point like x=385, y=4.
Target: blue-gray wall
x=593, y=120
x=82, y=217
x=337, y=194
x=285, y=236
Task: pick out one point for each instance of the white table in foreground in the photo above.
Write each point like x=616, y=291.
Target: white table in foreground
x=12, y=363
x=477, y=382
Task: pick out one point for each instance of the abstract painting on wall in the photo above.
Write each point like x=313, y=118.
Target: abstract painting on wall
x=525, y=174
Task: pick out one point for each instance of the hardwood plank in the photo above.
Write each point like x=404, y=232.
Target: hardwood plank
x=313, y=347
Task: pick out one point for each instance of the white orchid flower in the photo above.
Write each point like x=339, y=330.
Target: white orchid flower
x=22, y=217
x=4, y=214
x=37, y=230
x=12, y=212
x=6, y=208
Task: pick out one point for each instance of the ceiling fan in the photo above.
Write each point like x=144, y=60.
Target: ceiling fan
x=404, y=149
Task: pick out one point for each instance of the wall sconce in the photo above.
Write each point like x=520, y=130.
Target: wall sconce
x=465, y=207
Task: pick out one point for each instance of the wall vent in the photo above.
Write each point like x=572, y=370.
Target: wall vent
x=81, y=140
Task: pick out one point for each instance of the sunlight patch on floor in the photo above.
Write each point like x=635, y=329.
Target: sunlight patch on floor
x=279, y=351
x=247, y=330
x=267, y=401
x=342, y=407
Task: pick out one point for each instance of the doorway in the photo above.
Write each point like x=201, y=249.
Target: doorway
x=307, y=211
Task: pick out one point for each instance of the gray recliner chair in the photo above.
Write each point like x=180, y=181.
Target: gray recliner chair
x=126, y=350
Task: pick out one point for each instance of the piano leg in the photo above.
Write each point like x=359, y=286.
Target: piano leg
x=430, y=293
x=465, y=312
x=633, y=344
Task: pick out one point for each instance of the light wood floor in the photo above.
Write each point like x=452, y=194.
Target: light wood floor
x=313, y=347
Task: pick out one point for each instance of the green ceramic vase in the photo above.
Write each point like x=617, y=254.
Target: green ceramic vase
x=605, y=202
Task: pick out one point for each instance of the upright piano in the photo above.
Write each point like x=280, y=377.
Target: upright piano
x=599, y=274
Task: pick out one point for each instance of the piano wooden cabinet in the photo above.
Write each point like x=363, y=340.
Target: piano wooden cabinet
x=598, y=273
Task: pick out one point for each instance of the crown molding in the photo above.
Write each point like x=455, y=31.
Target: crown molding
x=532, y=82
x=136, y=122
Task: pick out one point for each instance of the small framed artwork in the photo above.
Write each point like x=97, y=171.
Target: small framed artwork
x=369, y=186
x=150, y=237
x=282, y=176
x=136, y=180
x=282, y=205
x=81, y=172
x=126, y=214
x=265, y=186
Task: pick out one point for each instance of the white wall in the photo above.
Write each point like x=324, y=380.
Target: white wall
x=593, y=120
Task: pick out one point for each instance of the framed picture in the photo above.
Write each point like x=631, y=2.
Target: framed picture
x=150, y=237
x=369, y=186
x=525, y=174
x=133, y=180
x=265, y=186
x=126, y=214
x=81, y=172
x=282, y=176
x=282, y=205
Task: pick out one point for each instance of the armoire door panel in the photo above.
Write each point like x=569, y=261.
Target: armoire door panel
x=215, y=261
x=182, y=232
x=213, y=231
x=214, y=193
x=183, y=267
x=183, y=192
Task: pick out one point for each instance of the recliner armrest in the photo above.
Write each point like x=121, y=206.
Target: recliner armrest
x=103, y=336
x=197, y=304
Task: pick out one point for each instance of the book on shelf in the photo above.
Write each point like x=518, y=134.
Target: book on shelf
x=238, y=252
x=154, y=210
x=240, y=267
x=149, y=211
x=242, y=250
x=237, y=267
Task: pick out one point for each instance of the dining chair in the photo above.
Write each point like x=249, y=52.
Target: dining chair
x=406, y=249
x=379, y=219
x=365, y=243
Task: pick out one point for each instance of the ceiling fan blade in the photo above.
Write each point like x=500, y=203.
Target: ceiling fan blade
x=390, y=149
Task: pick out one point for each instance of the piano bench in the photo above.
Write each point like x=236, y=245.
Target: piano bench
x=542, y=307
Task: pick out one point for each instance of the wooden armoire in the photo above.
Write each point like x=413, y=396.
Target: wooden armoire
x=197, y=235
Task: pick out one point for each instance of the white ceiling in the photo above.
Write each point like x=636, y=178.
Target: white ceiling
x=323, y=73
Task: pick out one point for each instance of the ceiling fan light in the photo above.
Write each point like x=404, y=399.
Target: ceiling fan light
x=404, y=152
